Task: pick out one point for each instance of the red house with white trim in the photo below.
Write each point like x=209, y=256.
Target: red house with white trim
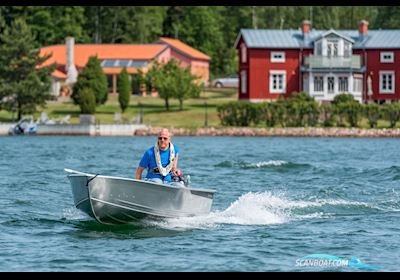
x=324, y=63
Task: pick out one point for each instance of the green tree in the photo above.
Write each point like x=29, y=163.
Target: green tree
x=23, y=85
x=94, y=78
x=162, y=78
x=185, y=85
x=87, y=101
x=124, y=89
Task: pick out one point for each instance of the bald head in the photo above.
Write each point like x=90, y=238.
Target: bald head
x=164, y=138
x=164, y=132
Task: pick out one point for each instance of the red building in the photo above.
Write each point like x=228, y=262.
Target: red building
x=324, y=63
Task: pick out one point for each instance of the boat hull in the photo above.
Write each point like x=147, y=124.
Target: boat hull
x=114, y=200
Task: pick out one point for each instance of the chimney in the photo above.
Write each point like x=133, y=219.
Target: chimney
x=363, y=28
x=306, y=27
x=72, y=73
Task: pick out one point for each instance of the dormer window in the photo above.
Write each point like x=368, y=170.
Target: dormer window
x=387, y=57
x=332, y=47
x=277, y=56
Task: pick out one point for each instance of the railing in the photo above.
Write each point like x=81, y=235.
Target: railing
x=317, y=61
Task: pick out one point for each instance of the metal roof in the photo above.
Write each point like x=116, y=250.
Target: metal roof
x=275, y=38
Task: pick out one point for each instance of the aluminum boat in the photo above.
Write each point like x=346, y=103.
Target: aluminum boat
x=116, y=200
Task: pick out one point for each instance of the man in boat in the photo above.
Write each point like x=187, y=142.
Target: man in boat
x=161, y=161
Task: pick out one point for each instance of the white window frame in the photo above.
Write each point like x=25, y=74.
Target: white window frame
x=328, y=90
x=381, y=77
x=385, y=59
x=278, y=57
x=271, y=81
x=243, y=81
x=357, y=82
x=243, y=53
x=345, y=78
x=315, y=85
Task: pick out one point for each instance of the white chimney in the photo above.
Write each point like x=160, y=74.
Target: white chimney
x=72, y=73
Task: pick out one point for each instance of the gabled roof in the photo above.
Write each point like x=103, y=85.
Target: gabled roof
x=182, y=47
x=331, y=31
x=274, y=38
x=82, y=52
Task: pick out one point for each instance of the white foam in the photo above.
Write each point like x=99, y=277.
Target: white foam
x=267, y=163
x=261, y=208
x=74, y=214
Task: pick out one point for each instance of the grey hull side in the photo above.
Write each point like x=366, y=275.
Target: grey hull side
x=112, y=200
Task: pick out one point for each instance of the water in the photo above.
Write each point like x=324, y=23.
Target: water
x=277, y=200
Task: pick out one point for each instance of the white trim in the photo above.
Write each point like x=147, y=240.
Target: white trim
x=278, y=57
x=389, y=57
x=271, y=81
x=243, y=81
x=381, y=89
x=243, y=52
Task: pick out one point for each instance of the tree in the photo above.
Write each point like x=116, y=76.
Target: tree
x=94, y=78
x=124, y=89
x=87, y=101
x=185, y=85
x=161, y=76
x=23, y=84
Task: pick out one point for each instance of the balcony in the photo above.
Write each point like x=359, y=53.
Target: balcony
x=353, y=62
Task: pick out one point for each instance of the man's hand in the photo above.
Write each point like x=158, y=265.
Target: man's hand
x=177, y=172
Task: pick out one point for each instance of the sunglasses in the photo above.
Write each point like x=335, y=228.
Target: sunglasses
x=162, y=138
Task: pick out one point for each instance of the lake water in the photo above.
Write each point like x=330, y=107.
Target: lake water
x=278, y=200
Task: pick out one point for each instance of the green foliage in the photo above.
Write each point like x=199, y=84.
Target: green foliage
x=87, y=101
x=392, y=113
x=328, y=114
x=124, y=89
x=237, y=113
x=94, y=78
x=172, y=81
x=372, y=112
x=23, y=86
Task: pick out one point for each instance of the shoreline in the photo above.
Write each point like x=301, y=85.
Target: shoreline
x=142, y=130
x=277, y=132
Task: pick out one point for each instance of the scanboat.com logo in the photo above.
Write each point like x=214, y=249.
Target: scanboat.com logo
x=323, y=260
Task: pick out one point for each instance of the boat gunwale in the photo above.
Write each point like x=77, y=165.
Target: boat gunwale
x=140, y=181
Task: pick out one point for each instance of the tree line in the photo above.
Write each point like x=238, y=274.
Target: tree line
x=212, y=30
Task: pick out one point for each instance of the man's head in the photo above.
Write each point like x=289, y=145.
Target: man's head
x=164, y=137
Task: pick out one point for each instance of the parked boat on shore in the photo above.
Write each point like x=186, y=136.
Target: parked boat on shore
x=116, y=200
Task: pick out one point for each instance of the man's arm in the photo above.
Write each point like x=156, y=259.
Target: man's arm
x=139, y=172
x=175, y=167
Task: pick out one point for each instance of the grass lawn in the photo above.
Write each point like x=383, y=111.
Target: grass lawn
x=154, y=112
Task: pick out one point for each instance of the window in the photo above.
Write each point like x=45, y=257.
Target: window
x=347, y=49
x=243, y=52
x=318, y=83
x=343, y=84
x=243, y=81
x=277, y=56
x=332, y=48
x=331, y=84
x=277, y=81
x=357, y=84
x=386, y=82
x=319, y=48
x=387, y=57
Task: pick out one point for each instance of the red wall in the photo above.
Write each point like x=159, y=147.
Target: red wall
x=374, y=66
x=258, y=68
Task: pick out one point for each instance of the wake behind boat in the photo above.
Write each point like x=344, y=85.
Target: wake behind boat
x=116, y=200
